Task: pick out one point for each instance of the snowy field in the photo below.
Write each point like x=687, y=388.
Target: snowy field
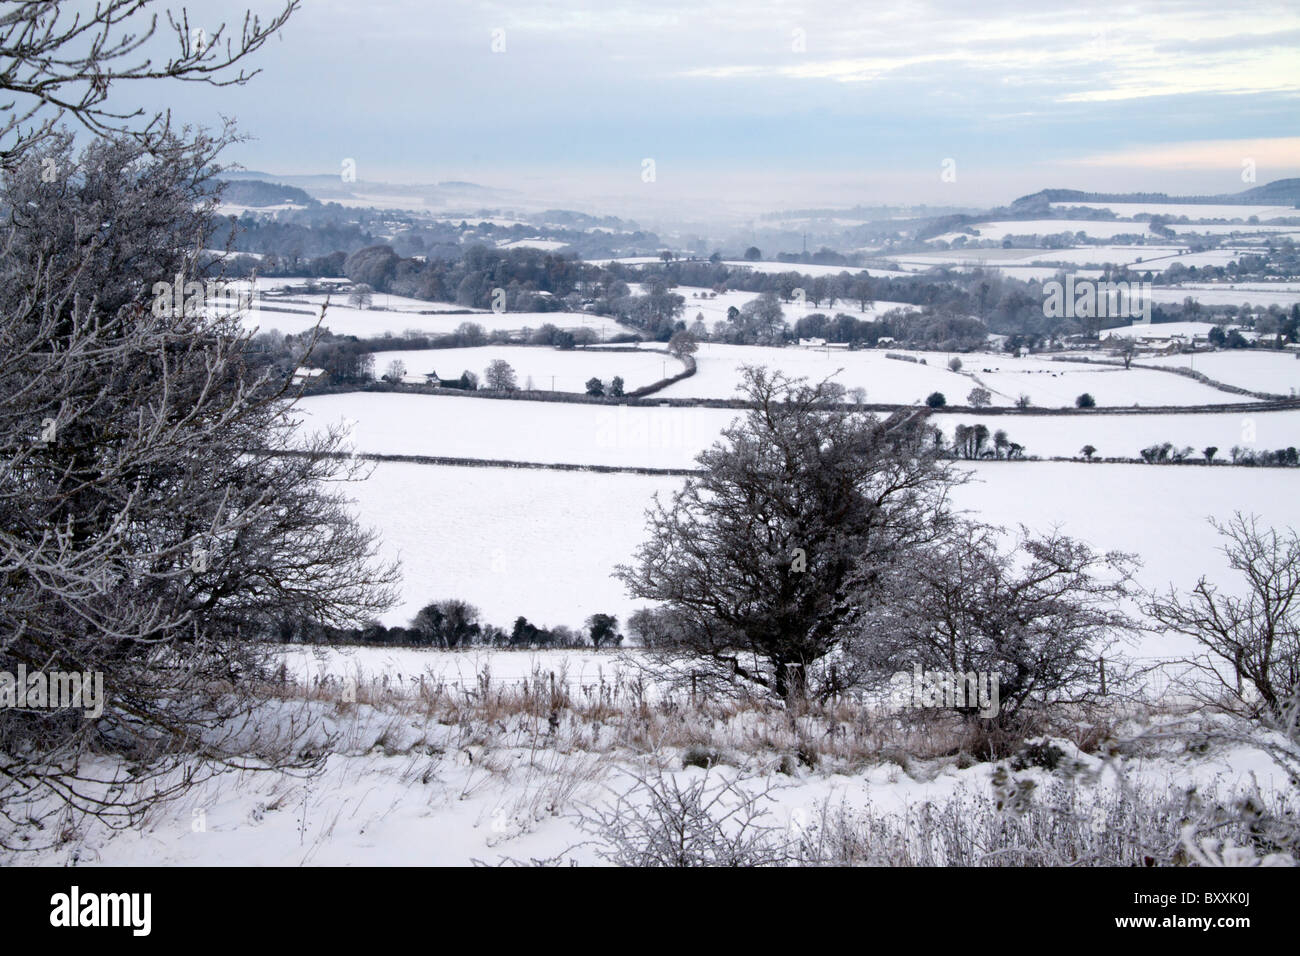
x=343, y=319
x=1257, y=369
x=1092, y=228
x=1057, y=384
x=714, y=309
x=886, y=380
x=549, y=369
x=651, y=437
x=1154, y=258
x=895, y=382
x=1124, y=436
x=1193, y=211
x=550, y=432
x=1225, y=295
x=544, y=543
x=763, y=267
x=405, y=665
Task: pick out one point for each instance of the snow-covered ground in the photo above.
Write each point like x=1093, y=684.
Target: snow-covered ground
x=1124, y=436
x=343, y=319
x=1225, y=294
x=548, y=368
x=892, y=381
x=886, y=380
x=1092, y=228
x=550, y=432
x=544, y=543
x=1141, y=258
x=1057, y=384
x=652, y=437
x=404, y=666
x=714, y=308
x=1164, y=329
x=411, y=791
x=1260, y=370
x=1193, y=211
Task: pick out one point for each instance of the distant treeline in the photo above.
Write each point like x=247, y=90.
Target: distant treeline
x=454, y=624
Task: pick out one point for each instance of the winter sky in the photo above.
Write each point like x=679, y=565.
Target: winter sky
x=839, y=100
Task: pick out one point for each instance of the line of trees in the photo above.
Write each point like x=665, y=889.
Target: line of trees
x=453, y=625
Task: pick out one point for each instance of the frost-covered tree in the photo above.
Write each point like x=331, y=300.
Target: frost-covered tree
x=63, y=61
x=1250, y=633
x=683, y=343
x=361, y=296
x=499, y=375
x=766, y=561
x=1038, y=614
x=160, y=514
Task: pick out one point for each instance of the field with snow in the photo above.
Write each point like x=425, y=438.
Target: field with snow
x=454, y=788
x=652, y=437
x=550, y=432
x=714, y=307
x=1193, y=211
x=549, y=369
x=892, y=381
x=1092, y=228
x=343, y=319
x=1124, y=436
x=1260, y=370
x=1185, y=330
x=1225, y=294
x=1144, y=257
x=544, y=543
x=1057, y=384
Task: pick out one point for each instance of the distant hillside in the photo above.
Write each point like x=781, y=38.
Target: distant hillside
x=256, y=193
x=1281, y=192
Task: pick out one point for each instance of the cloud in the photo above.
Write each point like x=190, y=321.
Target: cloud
x=1276, y=153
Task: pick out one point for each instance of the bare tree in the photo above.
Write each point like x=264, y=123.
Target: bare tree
x=161, y=515
x=499, y=375
x=1038, y=615
x=764, y=561
x=396, y=371
x=61, y=62
x=682, y=344
x=361, y=296
x=1256, y=633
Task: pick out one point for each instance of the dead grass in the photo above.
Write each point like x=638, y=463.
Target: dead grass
x=548, y=713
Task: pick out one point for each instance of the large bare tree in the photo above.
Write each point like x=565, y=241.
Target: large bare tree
x=160, y=514
x=764, y=564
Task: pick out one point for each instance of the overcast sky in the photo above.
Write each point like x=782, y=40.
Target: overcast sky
x=782, y=101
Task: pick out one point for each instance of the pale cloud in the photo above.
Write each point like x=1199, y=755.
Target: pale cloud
x=1278, y=152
